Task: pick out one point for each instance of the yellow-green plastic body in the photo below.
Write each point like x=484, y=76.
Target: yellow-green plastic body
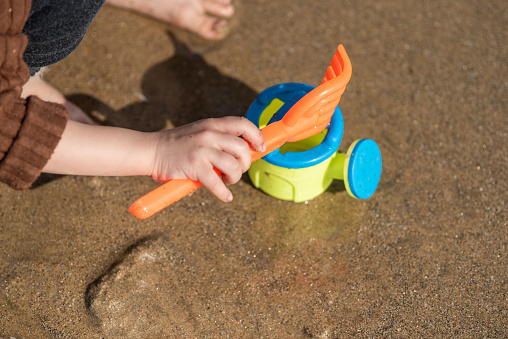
x=298, y=184
x=295, y=184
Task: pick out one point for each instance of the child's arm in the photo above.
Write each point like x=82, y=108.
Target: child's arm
x=190, y=151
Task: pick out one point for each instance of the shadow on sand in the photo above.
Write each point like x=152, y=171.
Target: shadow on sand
x=179, y=90
x=175, y=92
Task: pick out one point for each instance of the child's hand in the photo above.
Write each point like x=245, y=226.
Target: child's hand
x=193, y=150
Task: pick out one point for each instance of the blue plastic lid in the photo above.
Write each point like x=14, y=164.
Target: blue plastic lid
x=364, y=168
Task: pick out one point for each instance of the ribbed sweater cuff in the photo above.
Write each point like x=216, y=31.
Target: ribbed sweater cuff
x=40, y=132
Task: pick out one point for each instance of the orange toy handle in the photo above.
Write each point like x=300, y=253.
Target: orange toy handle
x=275, y=135
x=163, y=196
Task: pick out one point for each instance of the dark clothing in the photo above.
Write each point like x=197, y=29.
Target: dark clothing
x=55, y=28
x=30, y=129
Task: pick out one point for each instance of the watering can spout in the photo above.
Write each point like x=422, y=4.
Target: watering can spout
x=336, y=167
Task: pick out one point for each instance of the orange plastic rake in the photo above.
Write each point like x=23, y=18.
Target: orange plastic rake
x=308, y=116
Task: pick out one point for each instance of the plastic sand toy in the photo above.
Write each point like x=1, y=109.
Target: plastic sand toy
x=300, y=171
x=307, y=113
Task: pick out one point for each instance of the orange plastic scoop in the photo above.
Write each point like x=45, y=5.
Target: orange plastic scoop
x=309, y=116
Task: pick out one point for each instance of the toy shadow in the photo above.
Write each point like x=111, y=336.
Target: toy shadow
x=175, y=92
x=337, y=186
x=180, y=90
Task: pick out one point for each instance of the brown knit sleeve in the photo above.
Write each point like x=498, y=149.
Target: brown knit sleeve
x=29, y=129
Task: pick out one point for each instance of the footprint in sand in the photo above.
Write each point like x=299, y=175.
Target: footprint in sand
x=140, y=294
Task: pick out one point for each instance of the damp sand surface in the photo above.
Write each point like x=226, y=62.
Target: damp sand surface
x=426, y=256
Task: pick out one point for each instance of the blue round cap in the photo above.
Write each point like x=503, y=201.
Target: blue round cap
x=364, y=168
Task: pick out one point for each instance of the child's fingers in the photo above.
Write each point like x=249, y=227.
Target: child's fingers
x=229, y=166
x=237, y=147
x=214, y=184
x=231, y=171
x=241, y=126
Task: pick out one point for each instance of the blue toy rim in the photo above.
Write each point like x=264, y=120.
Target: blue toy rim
x=290, y=93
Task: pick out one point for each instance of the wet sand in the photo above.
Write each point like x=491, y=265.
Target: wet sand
x=426, y=256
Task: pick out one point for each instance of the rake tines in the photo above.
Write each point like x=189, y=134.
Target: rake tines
x=335, y=68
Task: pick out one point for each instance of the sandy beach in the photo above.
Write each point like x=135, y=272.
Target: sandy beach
x=425, y=256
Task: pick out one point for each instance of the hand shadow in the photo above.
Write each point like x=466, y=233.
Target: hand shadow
x=180, y=90
x=177, y=91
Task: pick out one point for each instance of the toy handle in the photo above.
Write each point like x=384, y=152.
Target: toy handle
x=275, y=135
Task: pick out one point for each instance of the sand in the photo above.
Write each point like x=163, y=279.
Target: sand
x=426, y=256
